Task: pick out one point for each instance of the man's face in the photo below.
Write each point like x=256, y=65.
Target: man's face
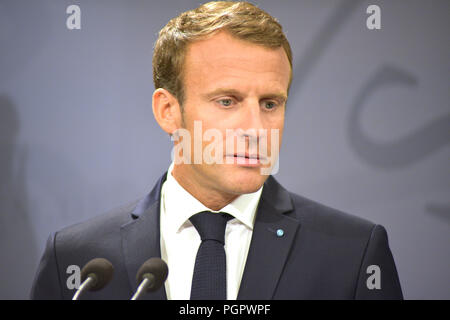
x=233, y=84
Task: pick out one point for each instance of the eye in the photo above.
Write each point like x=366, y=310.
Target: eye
x=270, y=105
x=225, y=102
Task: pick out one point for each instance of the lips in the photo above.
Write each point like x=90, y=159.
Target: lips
x=247, y=160
x=247, y=156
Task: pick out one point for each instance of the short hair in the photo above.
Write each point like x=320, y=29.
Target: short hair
x=242, y=20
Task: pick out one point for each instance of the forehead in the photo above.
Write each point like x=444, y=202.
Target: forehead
x=221, y=59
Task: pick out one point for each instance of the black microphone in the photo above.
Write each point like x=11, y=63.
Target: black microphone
x=150, y=276
x=95, y=275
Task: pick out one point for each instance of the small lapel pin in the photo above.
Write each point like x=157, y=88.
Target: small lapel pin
x=280, y=232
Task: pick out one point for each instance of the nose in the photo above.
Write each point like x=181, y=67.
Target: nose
x=253, y=117
x=252, y=123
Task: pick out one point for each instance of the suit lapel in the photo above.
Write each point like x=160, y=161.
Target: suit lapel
x=141, y=238
x=268, y=250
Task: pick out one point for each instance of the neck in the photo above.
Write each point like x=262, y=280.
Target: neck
x=205, y=192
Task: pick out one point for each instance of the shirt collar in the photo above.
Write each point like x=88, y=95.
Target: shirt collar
x=180, y=205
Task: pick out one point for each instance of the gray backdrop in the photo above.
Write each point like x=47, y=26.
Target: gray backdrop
x=367, y=127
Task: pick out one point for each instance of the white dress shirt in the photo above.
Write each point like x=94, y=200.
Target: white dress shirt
x=180, y=240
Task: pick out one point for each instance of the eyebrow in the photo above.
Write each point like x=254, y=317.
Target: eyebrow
x=225, y=91
x=233, y=92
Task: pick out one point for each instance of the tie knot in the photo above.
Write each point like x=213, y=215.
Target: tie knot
x=210, y=225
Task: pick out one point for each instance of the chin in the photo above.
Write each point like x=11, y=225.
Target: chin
x=244, y=180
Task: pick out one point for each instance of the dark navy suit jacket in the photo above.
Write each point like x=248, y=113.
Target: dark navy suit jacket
x=323, y=253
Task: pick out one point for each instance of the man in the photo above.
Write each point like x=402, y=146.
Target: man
x=222, y=74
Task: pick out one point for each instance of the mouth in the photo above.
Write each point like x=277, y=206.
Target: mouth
x=247, y=160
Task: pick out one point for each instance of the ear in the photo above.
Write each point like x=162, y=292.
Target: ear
x=166, y=110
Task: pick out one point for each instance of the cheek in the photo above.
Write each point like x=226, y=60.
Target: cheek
x=281, y=135
x=275, y=137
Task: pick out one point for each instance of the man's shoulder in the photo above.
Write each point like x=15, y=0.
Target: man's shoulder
x=102, y=226
x=319, y=217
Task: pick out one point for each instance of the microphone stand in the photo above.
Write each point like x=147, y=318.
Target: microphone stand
x=146, y=282
x=84, y=286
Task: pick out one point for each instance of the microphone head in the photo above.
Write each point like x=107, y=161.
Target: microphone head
x=101, y=270
x=156, y=268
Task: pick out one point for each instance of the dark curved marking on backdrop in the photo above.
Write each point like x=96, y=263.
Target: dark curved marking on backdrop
x=400, y=152
x=318, y=46
x=441, y=211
